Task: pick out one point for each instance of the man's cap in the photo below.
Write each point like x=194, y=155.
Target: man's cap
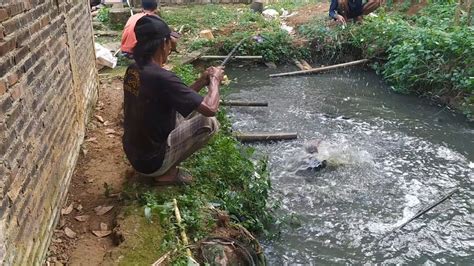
x=149, y=4
x=152, y=27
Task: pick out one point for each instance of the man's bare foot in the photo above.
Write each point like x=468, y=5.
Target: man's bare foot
x=170, y=175
x=174, y=176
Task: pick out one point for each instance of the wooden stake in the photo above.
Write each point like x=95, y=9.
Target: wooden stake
x=184, y=237
x=262, y=136
x=243, y=103
x=321, y=69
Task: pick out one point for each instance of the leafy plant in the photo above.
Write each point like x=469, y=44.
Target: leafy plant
x=103, y=15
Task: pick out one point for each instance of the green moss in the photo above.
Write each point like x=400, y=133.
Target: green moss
x=143, y=239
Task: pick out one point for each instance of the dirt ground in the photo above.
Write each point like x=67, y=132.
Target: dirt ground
x=99, y=175
x=306, y=14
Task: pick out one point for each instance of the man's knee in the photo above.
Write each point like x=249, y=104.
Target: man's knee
x=376, y=3
x=207, y=125
x=213, y=124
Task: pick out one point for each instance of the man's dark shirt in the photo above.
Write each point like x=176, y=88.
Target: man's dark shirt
x=152, y=96
x=355, y=8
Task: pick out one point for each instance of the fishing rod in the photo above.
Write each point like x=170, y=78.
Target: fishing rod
x=421, y=212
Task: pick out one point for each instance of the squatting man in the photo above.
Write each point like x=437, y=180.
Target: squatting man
x=165, y=121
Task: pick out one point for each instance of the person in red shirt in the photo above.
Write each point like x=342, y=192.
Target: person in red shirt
x=128, y=37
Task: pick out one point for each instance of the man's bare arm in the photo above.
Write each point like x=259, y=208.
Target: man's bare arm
x=210, y=104
x=200, y=83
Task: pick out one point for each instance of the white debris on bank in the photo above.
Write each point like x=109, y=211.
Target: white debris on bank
x=271, y=14
x=104, y=57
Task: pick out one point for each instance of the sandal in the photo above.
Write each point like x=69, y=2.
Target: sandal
x=183, y=177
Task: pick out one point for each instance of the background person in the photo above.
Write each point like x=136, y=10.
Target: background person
x=128, y=36
x=343, y=10
x=154, y=142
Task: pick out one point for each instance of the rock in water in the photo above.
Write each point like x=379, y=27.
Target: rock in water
x=311, y=146
x=316, y=165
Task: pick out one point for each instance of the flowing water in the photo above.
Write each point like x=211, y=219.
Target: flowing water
x=388, y=156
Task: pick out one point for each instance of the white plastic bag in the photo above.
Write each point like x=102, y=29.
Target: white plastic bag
x=104, y=56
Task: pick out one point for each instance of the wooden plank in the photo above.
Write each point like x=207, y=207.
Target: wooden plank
x=321, y=69
x=263, y=136
x=243, y=103
x=241, y=57
x=187, y=59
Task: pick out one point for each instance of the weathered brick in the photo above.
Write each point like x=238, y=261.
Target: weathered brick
x=17, y=92
x=3, y=14
x=15, y=9
x=11, y=26
x=3, y=87
x=21, y=54
x=5, y=103
x=13, y=78
x=7, y=45
x=2, y=33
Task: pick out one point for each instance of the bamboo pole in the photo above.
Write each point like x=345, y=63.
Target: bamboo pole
x=184, y=237
x=262, y=136
x=321, y=69
x=306, y=65
x=242, y=57
x=243, y=103
x=298, y=64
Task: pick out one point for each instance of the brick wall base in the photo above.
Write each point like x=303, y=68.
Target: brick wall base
x=48, y=85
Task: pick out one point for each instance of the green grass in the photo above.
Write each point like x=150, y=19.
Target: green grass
x=230, y=24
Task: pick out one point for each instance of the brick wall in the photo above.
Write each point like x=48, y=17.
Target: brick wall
x=48, y=84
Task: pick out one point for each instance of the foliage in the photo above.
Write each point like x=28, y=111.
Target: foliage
x=424, y=54
x=187, y=73
x=276, y=46
x=230, y=25
x=195, y=18
x=291, y=5
x=103, y=15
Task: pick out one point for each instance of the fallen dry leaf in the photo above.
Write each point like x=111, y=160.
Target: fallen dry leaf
x=107, y=123
x=93, y=139
x=101, y=233
x=79, y=207
x=82, y=218
x=103, y=227
x=69, y=233
x=67, y=210
x=98, y=117
x=110, y=131
x=101, y=210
